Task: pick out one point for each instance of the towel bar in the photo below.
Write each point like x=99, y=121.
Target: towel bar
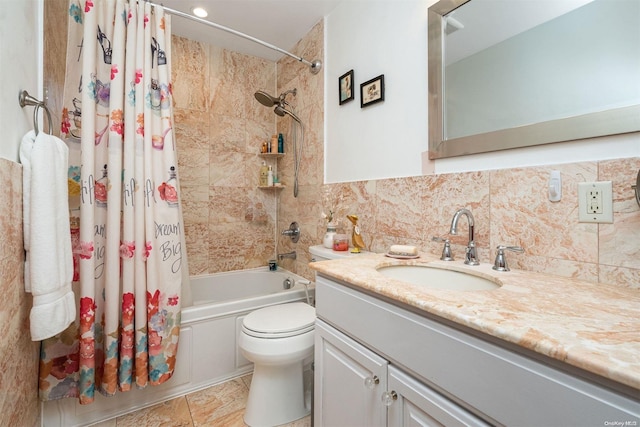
x=25, y=99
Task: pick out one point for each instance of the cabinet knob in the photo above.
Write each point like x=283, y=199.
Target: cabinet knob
x=388, y=397
x=371, y=382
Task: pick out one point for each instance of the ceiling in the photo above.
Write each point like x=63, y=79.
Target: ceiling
x=279, y=22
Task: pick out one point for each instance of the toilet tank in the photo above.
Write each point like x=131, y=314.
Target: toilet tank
x=320, y=253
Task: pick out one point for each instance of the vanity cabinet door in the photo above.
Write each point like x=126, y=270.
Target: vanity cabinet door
x=349, y=382
x=417, y=405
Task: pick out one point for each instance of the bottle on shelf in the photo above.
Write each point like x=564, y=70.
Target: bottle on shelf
x=280, y=143
x=264, y=174
x=270, y=177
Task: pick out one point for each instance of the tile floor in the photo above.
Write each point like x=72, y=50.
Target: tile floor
x=221, y=405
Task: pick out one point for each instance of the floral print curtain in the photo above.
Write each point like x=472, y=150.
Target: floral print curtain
x=124, y=204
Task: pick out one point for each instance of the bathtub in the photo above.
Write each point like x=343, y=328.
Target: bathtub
x=208, y=352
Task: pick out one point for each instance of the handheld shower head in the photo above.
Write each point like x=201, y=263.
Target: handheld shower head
x=269, y=101
x=265, y=99
x=281, y=111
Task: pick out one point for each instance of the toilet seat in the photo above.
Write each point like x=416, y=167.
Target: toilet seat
x=280, y=321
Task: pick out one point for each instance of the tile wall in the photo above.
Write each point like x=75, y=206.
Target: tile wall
x=19, y=403
x=231, y=224
x=510, y=205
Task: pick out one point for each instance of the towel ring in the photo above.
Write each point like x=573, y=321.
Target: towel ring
x=25, y=99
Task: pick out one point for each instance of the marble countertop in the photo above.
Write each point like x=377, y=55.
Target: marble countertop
x=595, y=327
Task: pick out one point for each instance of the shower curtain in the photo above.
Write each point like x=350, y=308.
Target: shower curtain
x=126, y=223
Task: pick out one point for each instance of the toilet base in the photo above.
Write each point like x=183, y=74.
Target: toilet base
x=276, y=395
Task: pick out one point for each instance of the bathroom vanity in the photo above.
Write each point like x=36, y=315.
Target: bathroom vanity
x=391, y=353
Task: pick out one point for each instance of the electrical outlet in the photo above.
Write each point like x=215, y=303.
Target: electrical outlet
x=595, y=202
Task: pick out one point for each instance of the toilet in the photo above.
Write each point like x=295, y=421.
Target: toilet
x=278, y=340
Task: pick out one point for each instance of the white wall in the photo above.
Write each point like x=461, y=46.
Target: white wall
x=21, y=56
x=389, y=139
x=383, y=140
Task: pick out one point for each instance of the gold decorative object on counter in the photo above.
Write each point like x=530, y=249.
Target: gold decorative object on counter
x=356, y=237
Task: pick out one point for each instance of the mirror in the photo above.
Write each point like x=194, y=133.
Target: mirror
x=500, y=80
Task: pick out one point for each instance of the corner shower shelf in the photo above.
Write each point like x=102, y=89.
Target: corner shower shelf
x=271, y=156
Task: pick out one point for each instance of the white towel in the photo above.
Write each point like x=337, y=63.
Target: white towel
x=47, y=235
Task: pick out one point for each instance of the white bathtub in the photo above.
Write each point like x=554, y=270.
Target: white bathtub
x=208, y=352
x=233, y=291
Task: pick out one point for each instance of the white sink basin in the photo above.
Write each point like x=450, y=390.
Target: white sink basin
x=437, y=278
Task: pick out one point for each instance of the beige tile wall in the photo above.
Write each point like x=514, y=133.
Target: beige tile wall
x=19, y=404
x=229, y=223
x=510, y=206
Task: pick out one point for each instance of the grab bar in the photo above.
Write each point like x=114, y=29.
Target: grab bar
x=25, y=99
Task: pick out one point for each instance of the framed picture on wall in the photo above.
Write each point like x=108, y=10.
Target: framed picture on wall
x=372, y=91
x=345, y=87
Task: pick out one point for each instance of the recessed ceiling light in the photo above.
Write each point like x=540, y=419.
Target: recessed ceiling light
x=200, y=12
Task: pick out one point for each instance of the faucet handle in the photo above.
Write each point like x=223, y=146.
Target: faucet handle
x=446, y=250
x=293, y=232
x=500, y=263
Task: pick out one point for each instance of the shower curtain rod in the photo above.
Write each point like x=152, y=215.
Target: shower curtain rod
x=314, y=66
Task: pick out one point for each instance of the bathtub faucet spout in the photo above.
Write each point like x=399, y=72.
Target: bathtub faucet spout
x=291, y=255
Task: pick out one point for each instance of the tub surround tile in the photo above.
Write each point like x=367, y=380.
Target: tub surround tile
x=228, y=133
x=229, y=169
x=195, y=204
x=596, y=329
x=197, y=241
x=190, y=73
x=310, y=47
x=306, y=209
x=219, y=129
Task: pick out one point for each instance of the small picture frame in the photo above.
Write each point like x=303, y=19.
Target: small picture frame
x=345, y=87
x=372, y=91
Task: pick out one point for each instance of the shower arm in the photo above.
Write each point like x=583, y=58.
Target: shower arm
x=314, y=66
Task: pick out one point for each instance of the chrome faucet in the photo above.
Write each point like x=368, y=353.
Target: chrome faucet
x=291, y=255
x=471, y=256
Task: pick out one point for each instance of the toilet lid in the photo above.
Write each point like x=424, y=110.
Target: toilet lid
x=279, y=321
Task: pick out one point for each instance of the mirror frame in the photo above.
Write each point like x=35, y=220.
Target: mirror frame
x=608, y=122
